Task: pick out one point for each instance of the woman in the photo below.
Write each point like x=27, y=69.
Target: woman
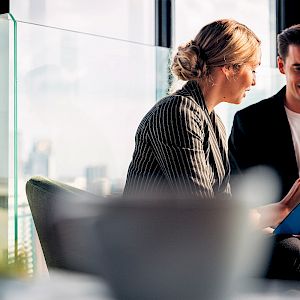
x=181, y=144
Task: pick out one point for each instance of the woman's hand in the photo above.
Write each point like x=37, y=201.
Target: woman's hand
x=292, y=199
x=269, y=215
x=272, y=214
x=268, y=230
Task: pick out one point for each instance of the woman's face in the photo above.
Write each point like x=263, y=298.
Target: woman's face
x=241, y=82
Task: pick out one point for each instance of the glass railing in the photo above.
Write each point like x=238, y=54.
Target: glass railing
x=8, y=93
x=129, y=20
x=80, y=100
x=72, y=96
x=4, y=113
x=73, y=91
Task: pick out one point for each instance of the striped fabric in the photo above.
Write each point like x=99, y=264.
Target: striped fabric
x=180, y=148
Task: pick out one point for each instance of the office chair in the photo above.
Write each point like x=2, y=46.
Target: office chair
x=51, y=203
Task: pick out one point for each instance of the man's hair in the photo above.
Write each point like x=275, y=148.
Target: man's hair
x=289, y=36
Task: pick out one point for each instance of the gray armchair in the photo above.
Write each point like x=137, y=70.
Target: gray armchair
x=62, y=224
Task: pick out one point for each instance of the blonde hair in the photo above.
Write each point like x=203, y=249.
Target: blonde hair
x=221, y=43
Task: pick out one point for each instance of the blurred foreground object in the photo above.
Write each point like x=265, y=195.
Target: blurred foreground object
x=143, y=248
x=73, y=286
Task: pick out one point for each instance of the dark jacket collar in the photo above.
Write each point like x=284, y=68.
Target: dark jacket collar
x=278, y=109
x=280, y=96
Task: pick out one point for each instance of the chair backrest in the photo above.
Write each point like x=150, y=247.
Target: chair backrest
x=66, y=250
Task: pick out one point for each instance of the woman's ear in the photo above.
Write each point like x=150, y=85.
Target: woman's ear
x=227, y=71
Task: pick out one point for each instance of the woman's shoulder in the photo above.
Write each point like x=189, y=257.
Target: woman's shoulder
x=220, y=123
x=177, y=102
x=173, y=107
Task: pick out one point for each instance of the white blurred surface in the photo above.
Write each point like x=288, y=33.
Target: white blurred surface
x=61, y=286
x=66, y=285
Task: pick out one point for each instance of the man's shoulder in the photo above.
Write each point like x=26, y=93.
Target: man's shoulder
x=263, y=106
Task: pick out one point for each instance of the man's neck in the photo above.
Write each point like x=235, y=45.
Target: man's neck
x=292, y=104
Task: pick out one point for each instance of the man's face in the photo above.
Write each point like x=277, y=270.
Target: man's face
x=291, y=68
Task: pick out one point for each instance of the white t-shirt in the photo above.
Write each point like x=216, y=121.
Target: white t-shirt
x=294, y=121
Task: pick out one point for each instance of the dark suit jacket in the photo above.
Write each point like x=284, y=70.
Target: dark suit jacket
x=180, y=147
x=261, y=135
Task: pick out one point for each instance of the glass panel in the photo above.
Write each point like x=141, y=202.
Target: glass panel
x=7, y=127
x=192, y=15
x=4, y=96
x=163, y=76
x=80, y=100
x=131, y=20
x=258, y=15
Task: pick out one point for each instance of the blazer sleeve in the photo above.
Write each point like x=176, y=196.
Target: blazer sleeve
x=177, y=135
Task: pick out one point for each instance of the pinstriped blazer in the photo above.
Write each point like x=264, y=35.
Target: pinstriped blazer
x=180, y=148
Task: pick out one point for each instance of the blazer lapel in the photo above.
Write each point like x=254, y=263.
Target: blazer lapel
x=283, y=133
x=218, y=144
x=217, y=140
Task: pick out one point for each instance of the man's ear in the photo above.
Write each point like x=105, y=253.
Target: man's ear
x=280, y=64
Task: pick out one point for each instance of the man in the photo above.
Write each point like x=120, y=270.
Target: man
x=268, y=132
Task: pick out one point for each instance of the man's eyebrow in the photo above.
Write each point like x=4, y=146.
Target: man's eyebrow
x=296, y=65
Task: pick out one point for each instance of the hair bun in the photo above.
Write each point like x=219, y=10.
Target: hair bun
x=189, y=62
